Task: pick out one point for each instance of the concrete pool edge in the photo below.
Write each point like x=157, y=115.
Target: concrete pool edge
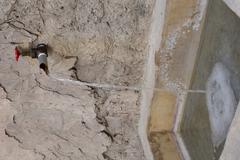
x=186, y=46
x=156, y=29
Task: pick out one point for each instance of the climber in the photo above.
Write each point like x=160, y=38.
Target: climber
x=39, y=52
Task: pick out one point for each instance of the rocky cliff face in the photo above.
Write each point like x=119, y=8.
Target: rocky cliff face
x=60, y=116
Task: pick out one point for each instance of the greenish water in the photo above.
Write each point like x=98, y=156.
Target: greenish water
x=220, y=42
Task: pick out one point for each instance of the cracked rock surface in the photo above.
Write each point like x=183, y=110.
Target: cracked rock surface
x=58, y=124
x=109, y=37
x=55, y=116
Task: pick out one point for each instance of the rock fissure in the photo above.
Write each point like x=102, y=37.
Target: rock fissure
x=11, y=136
x=4, y=89
x=41, y=154
x=52, y=90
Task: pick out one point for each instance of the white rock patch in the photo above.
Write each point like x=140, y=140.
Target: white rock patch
x=221, y=102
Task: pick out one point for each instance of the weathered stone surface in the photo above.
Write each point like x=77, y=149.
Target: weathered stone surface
x=109, y=37
x=10, y=149
x=52, y=117
x=58, y=123
x=120, y=112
